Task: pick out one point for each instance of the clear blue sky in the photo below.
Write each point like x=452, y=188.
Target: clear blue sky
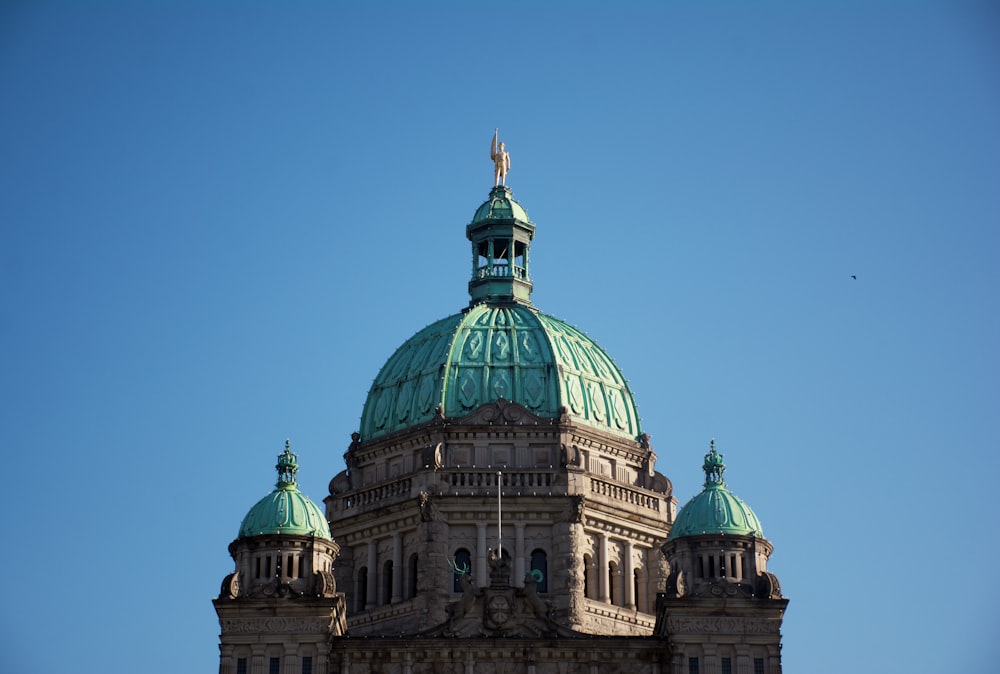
x=218, y=220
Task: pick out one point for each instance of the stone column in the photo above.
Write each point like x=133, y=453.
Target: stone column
x=629, y=577
x=773, y=662
x=370, y=591
x=257, y=661
x=603, y=593
x=679, y=662
x=519, y=564
x=397, y=568
x=743, y=659
x=710, y=659
x=482, y=571
x=228, y=662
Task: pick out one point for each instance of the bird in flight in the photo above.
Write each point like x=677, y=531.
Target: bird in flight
x=854, y=277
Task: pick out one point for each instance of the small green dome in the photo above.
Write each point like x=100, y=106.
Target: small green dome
x=490, y=352
x=715, y=510
x=500, y=206
x=286, y=510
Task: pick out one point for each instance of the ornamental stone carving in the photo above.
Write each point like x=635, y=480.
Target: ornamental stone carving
x=428, y=511
x=676, y=585
x=721, y=588
x=275, y=625
x=501, y=412
x=767, y=585
x=722, y=625
x=230, y=586
x=325, y=584
x=569, y=456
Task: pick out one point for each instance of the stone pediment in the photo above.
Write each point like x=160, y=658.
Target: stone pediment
x=501, y=413
x=499, y=610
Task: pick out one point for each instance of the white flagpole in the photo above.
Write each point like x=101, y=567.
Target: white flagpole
x=499, y=518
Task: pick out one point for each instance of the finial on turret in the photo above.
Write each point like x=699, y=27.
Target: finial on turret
x=287, y=466
x=713, y=466
x=501, y=160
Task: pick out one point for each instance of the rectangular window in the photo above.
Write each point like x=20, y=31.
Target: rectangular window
x=274, y=666
x=727, y=666
x=758, y=666
x=307, y=664
x=692, y=665
x=241, y=666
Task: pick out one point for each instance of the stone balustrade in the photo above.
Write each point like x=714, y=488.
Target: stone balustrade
x=514, y=483
x=623, y=494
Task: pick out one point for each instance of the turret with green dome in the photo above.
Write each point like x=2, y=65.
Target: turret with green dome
x=284, y=557
x=716, y=510
x=719, y=587
x=286, y=510
x=716, y=546
x=284, y=545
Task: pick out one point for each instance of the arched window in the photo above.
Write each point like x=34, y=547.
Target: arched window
x=411, y=585
x=539, y=562
x=387, y=582
x=589, y=585
x=640, y=596
x=361, y=597
x=612, y=578
x=463, y=562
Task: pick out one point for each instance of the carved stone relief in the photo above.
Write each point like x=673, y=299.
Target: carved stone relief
x=275, y=625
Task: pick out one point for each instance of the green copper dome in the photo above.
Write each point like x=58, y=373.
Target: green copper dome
x=489, y=352
x=499, y=347
x=500, y=206
x=716, y=510
x=286, y=510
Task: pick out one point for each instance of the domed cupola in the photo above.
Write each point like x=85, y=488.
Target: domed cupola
x=284, y=546
x=281, y=607
x=286, y=510
x=500, y=348
x=501, y=234
x=716, y=546
x=716, y=510
x=720, y=604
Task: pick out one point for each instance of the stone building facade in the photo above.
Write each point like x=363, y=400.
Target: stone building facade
x=501, y=512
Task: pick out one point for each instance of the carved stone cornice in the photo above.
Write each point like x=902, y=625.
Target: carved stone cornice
x=680, y=625
x=278, y=625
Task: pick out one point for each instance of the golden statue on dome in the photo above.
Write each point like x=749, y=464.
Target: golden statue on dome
x=501, y=161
